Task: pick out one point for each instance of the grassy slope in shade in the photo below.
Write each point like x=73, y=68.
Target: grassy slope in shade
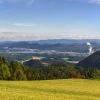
x=70, y=89
x=92, y=61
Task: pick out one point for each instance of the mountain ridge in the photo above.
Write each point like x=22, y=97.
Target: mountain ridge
x=92, y=61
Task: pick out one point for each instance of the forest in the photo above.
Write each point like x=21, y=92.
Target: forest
x=35, y=70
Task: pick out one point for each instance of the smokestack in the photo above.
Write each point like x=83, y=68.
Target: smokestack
x=90, y=48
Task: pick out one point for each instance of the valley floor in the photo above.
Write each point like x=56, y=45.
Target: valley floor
x=67, y=89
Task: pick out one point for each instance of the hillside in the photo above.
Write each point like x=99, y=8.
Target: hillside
x=92, y=61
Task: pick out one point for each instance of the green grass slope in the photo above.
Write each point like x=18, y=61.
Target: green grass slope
x=92, y=61
x=69, y=89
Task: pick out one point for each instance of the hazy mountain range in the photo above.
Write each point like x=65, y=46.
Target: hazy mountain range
x=61, y=45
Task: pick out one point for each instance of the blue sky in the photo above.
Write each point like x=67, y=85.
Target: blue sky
x=50, y=17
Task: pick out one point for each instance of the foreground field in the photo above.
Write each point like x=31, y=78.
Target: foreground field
x=69, y=89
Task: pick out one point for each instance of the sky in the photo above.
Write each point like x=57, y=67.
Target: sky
x=47, y=19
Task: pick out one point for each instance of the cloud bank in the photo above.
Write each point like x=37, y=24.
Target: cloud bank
x=20, y=36
x=2, y=30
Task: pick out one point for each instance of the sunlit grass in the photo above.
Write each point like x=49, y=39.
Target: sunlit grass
x=69, y=89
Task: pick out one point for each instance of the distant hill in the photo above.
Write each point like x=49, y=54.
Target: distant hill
x=75, y=47
x=36, y=64
x=62, y=45
x=68, y=41
x=92, y=61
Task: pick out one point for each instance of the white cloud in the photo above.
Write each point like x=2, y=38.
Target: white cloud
x=94, y=1
x=23, y=24
x=89, y=1
x=30, y=2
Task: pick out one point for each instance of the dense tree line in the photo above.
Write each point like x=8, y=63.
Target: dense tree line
x=57, y=70
x=16, y=71
x=88, y=73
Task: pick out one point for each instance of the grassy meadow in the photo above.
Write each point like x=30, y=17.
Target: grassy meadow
x=67, y=89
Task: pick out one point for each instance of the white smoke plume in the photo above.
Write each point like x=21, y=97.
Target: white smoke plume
x=90, y=48
x=88, y=43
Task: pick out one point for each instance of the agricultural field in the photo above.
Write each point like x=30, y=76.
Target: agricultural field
x=66, y=89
